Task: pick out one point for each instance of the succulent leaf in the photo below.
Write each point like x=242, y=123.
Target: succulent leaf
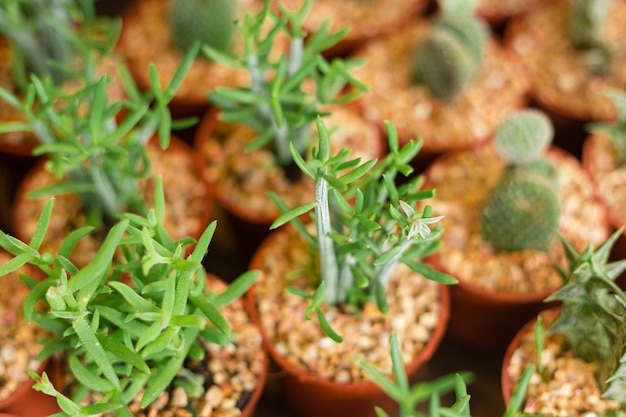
x=212, y=22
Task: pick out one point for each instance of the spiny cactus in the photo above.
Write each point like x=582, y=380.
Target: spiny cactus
x=616, y=129
x=522, y=211
x=585, y=25
x=593, y=313
x=449, y=55
x=212, y=22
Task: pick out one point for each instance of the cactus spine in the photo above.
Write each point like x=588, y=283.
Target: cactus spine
x=522, y=211
x=449, y=55
x=593, y=313
x=210, y=21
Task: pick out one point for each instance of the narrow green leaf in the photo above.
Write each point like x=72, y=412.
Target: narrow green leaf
x=163, y=342
x=182, y=70
x=124, y=353
x=88, y=378
x=15, y=263
x=134, y=299
x=326, y=327
x=95, y=350
x=101, y=261
x=42, y=225
x=163, y=376
x=300, y=162
x=324, y=139
x=358, y=172
x=430, y=273
x=519, y=393
x=387, y=256
x=211, y=312
x=236, y=289
x=293, y=214
x=203, y=243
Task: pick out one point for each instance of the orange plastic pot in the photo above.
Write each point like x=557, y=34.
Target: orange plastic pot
x=507, y=383
x=310, y=395
x=487, y=320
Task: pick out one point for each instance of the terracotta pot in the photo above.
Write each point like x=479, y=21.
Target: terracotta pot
x=187, y=214
x=507, y=383
x=26, y=402
x=486, y=320
x=240, y=179
x=311, y=395
x=561, y=82
x=500, y=291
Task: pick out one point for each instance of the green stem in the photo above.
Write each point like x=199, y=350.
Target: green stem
x=329, y=266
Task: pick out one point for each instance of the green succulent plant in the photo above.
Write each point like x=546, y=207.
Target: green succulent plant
x=289, y=85
x=593, y=313
x=212, y=22
x=129, y=319
x=615, y=129
x=449, y=55
x=365, y=225
x=48, y=37
x=91, y=150
x=585, y=28
x=522, y=210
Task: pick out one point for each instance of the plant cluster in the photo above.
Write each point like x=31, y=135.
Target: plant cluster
x=48, y=37
x=365, y=224
x=451, y=52
x=290, y=79
x=522, y=211
x=96, y=144
x=127, y=325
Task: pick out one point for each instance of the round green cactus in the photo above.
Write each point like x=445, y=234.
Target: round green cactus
x=522, y=213
x=449, y=55
x=210, y=21
x=522, y=137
